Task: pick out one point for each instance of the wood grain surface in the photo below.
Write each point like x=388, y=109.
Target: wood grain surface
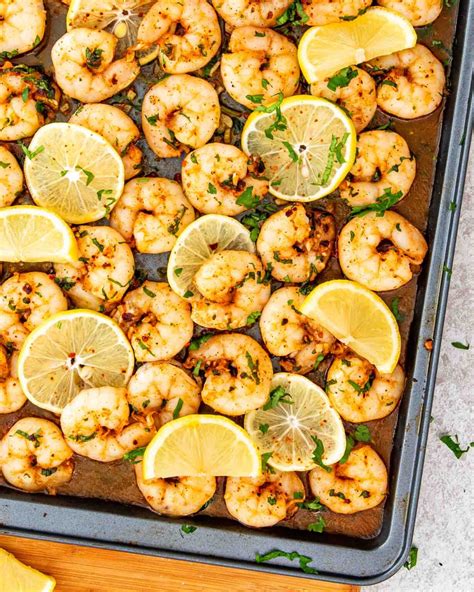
x=85, y=569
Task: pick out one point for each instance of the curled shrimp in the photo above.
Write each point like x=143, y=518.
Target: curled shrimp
x=117, y=128
x=34, y=456
x=299, y=341
x=237, y=370
x=97, y=424
x=12, y=396
x=323, y=12
x=359, y=392
x=221, y=179
x=103, y=272
x=176, y=496
x=255, y=13
x=26, y=300
x=163, y=391
x=261, y=63
x=295, y=243
x=357, y=95
x=27, y=97
x=85, y=68
x=384, y=165
x=380, y=251
x=11, y=178
x=413, y=82
x=186, y=32
x=151, y=213
x=264, y=501
x=356, y=485
x=156, y=321
x=22, y=25
x=418, y=12
x=178, y=113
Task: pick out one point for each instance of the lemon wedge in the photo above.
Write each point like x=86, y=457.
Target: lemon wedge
x=18, y=577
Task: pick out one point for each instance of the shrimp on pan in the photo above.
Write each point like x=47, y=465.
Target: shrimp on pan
x=264, y=501
x=117, y=128
x=380, y=252
x=156, y=321
x=384, y=166
x=22, y=25
x=179, y=113
x=221, y=179
x=237, y=370
x=418, y=12
x=11, y=177
x=295, y=243
x=85, y=68
x=358, y=484
x=359, y=392
x=323, y=12
x=101, y=276
x=97, y=424
x=187, y=33
x=34, y=456
x=256, y=13
x=151, y=213
x=12, y=397
x=261, y=63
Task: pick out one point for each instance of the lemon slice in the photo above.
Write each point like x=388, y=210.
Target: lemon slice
x=328, y=48
x=286, y=429
x=18, y=577
x=73, y=172
x=71, y=351
x=359, y=318
x=31, y=234
x=202, y=238
x=310, y=157
x=200, y=446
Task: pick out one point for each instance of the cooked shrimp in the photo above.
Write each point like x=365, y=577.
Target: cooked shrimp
x=238, y=373
x=263, y=501
x=384, y=165
x=418, y=12
x=11, y=178
x=413, y=83
x=26, y=300
x=260, y=64
x=295, y=243
x=255, y=13
x=34, y=456
x=156, y=321
x=228, y=288
x=163, y=391
x=151, y=214
x=176, y=496
x=186, y=32
x=117, y=128
x=217, y=177
x=359, y=392
x=380, y=251
x=178, y=113
x=97, y=424
x=105, y=268
x=296, y=339
x=355, y=93
x=85, y=68
x=323, y=12
x=22, y=25
x=12, y=397
x=358, y=484
x=27, y=96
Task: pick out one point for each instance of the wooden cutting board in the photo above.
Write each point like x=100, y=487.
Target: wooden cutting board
x=85, y=569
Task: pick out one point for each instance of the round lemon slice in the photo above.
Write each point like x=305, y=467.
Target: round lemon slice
x=202, y=238
x=359, y=318
x=74, y=172
x=33, y=234
x=289, y=429
x=18, y=577
x=71, y=351
x=326, y=49
x=310, y=152
x=201, y=445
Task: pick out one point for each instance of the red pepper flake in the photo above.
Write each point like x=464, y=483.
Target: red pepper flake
x=428, y=344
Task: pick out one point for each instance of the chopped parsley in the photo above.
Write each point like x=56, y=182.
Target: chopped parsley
x=263, y=427
x=265, y=466
x=342, y=78
x=196, y=343
x=318, y=525
x=293, y=14
x=412, y=558
x=28, y=153
x=134, y=455
x=188, y=528
x=277, y=396
x=303, y=560
x=452, y=442
x=253, y=316
x=318, y=454
x=459, y=345
x=177, y=409
x=394, y=305
x=247, y=199
x=383, y=203
x=94, y=58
